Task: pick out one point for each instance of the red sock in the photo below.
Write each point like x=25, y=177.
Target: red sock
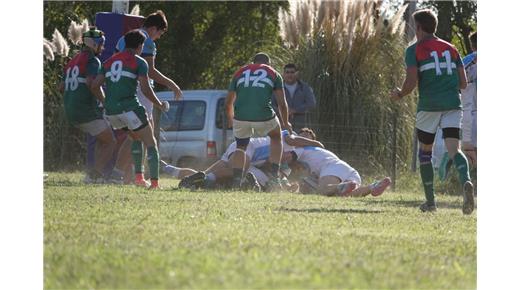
x=155, y=182
x=139, y=176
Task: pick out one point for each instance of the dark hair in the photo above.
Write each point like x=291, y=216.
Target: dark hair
x=157, y=19
x=473, y=39
x=426, y=19
x=134, y=38
x=310, y=131
x=290, y=65
x=261, y=57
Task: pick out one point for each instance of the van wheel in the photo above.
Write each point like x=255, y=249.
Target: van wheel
x=187, y=162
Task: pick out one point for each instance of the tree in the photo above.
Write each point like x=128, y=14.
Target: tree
x=457, y=19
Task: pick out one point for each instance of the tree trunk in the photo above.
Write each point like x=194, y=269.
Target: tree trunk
x=444, y=26
x=410, y=25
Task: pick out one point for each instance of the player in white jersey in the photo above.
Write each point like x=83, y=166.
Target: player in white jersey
x=335, y=176
x=257, y=154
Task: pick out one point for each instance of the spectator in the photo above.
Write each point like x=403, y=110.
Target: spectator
x=469, y=104
x=299, y=96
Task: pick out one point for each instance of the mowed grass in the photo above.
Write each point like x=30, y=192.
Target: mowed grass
x=107, y=236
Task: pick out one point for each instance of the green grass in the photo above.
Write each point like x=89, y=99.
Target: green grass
x=125, y=237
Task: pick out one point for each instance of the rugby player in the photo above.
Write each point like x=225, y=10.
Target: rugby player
x=436, y=67
x=121, y=72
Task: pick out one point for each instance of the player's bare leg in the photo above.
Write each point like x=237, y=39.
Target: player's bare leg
x=328, y=185
x=377, y=188
x=461, y=165
x=104, y=149
x=146, y=135
x=177, y=172
x=238, y=163
x=275, y=158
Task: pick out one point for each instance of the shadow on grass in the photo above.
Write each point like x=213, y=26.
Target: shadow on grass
x=62, y=182
x=328, y=210
x=412, y=203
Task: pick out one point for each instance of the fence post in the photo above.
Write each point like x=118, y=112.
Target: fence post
x=394, y=153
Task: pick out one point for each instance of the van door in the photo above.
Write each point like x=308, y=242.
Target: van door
x=225, y=136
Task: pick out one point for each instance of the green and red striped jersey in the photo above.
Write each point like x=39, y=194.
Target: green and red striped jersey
x=121, y=73
x=254, y=85
x=80, y=104
x=437, y=62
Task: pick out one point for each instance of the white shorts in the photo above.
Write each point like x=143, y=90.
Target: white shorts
x=94, y=127
x=147, y=104
x=261, y=177
x=129, y=120
x=247, y=129
x=232, y=148
x=430, y=121
x=341, y=170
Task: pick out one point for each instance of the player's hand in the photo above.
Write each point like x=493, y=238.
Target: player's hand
x=230, y=122
x=177, y=92
x=395, y=95
x=287, y=127
x=165, y=106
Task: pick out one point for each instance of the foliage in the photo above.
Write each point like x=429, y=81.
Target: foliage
x=352, y=57
x=457, y=19
x=120, y=237
x=205, y=43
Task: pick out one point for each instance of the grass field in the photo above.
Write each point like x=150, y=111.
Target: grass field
x=125, y=237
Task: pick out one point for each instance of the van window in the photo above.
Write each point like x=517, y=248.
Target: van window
x=184, y=116
x=221, y=113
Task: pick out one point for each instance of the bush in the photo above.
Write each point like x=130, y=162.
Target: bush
x=352, y=57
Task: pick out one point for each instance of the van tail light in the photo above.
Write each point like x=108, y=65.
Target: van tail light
x=212, y=149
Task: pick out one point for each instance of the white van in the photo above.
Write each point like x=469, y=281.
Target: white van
x=192, y=133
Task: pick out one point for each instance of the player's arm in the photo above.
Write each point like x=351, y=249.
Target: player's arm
x=157, y=76
x=409, y=84
x=298, y=141
x=94, y=85
x=463, y=80
x=95, y=70
x=282, y=108
x=230, y=100
x=149, y=93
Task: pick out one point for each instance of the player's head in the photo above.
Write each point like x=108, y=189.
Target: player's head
x=473, y=40
x=262, y=58
x=156, y=24
x=134, y=39
x=425, y=22
x=289, y=73
x=94, y=39
x=307, y=133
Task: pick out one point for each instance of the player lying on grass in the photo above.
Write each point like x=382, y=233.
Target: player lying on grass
x=257, y=154
x=122, y=72
x=333, y=176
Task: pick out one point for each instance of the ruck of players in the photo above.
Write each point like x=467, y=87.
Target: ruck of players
x=268, y=154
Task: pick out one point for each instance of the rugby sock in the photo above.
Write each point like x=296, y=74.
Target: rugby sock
x=153, y=162
x=237, y=175
x=427, y=180
x=275, y=169
x=461, y=163
x=210, y=180
x=137, y=156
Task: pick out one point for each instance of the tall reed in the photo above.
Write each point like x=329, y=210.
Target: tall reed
x=352, y=57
